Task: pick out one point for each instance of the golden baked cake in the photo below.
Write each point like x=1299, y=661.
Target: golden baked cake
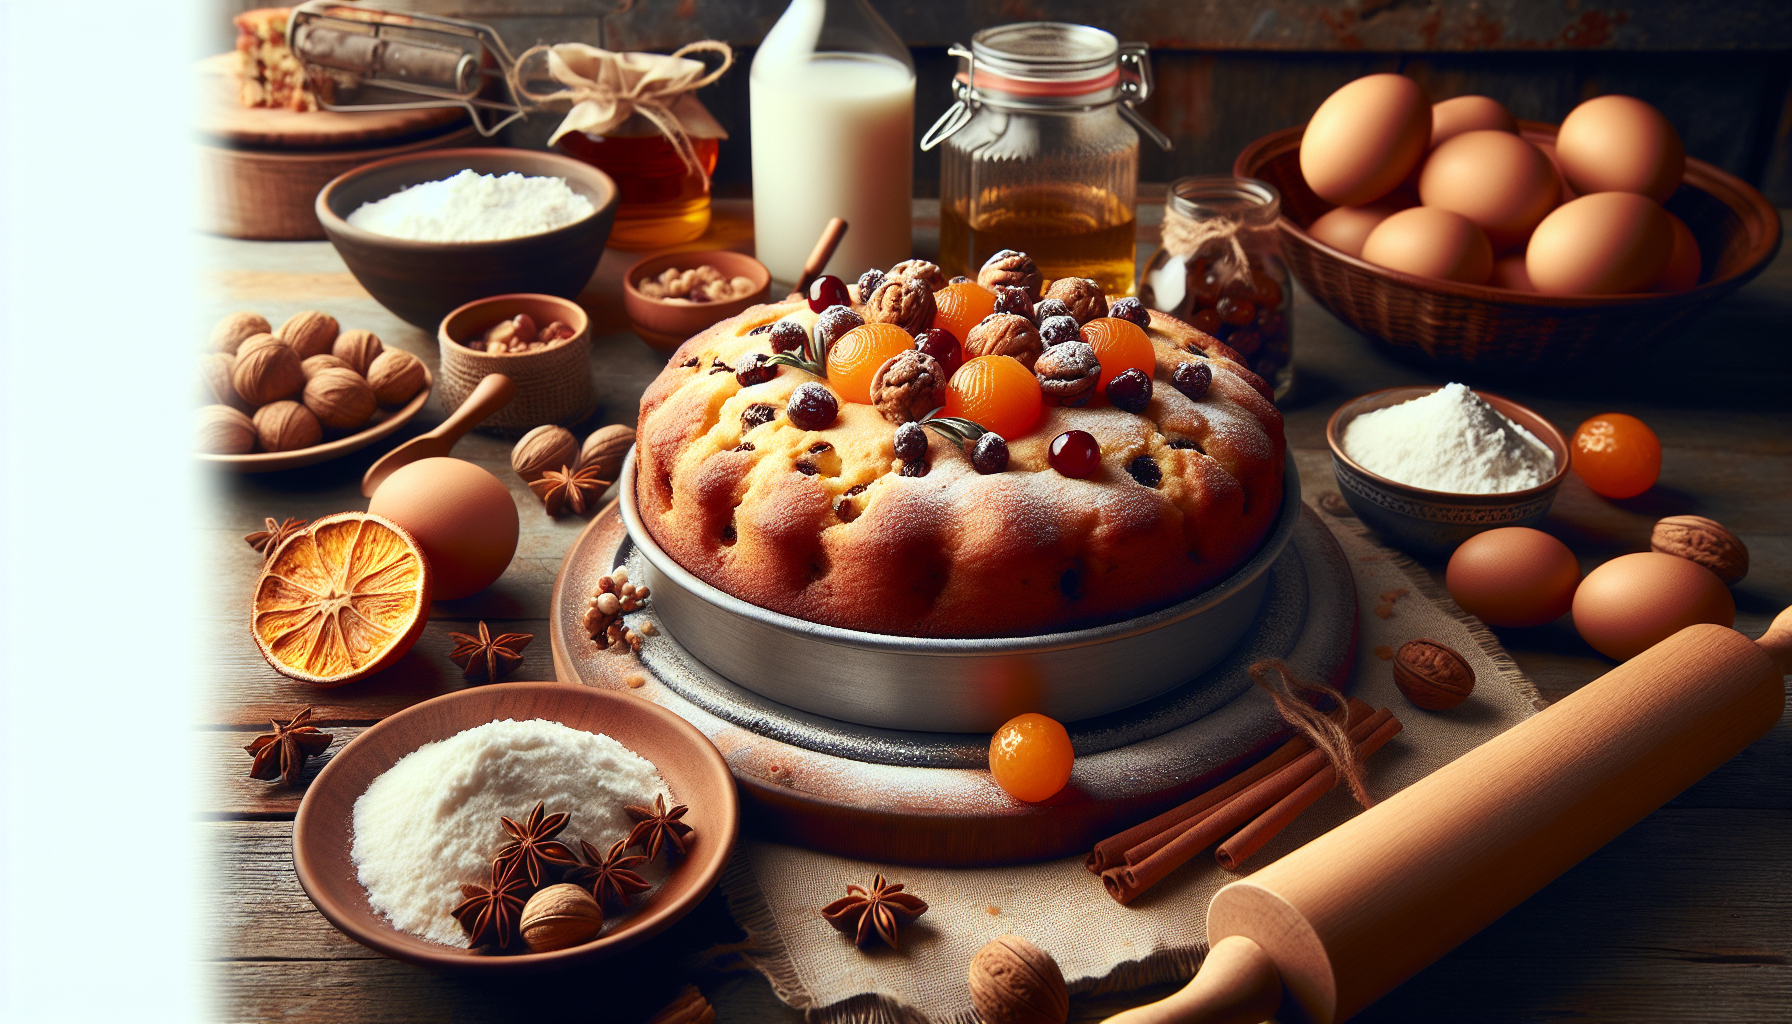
x=747, y=477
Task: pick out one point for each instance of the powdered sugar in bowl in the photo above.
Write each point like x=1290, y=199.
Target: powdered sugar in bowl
x=1505, y=477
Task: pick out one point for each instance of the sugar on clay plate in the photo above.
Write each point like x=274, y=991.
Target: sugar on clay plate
x=684, y=757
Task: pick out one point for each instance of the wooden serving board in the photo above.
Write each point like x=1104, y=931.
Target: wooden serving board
x=927, y=798
x=225, y=121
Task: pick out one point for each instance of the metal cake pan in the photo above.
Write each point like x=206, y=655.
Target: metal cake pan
x=954, y=685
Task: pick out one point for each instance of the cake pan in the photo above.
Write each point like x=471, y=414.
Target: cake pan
x=954, y=685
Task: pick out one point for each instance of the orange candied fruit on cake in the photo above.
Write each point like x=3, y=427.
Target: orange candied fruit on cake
x=998, y=393
x=960, y=307
x=854, y=359
x=1119, y=345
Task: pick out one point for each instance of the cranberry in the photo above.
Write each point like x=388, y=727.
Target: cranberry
x=1051, y=307
x=1246, y=340
x=1193, y=380
x=812, y=407
x=828, y=290
x=1207, y=287
x=1057, y=330
x=1130, y=390
x=989, y=454
x=943, y=347
x=1236, y=312
x=911, y=442
x=1014, y=300
x=1131, y=310
x=788, y=336
x=834, y=322
x=1075, y=453
x=1264, y=289
x=1144, y=469
x=754, y=369
x=1206, y=321
x=868, y=282
x=1271, y=324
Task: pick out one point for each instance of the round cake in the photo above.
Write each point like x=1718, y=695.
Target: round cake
x=832, y=526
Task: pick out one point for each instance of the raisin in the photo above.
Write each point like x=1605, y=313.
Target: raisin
x=805, y=467
x=834, y=322
x=744, y=446
x=1131, y=310
x=717, y=366
x=1144, y=470
x=1051, y=307
x=1130, y=390
x=916, y=467
x=755, y=370
x=911, y=442
x=989, y=454
x=788, y=336
x=688, y=363
x=757, y=415
x=820, y=446
x=1193, y=380
x=1014, y=300
x=1187, y=444
x=812, y=407
x=761, y=329
x=856, y=489
x=868, y=282
x=1057, y=330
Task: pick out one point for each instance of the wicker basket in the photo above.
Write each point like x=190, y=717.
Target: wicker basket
x=552, y=385
x=1506, y=333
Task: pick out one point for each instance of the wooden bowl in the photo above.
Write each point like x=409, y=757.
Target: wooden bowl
x=384, y=423
x=1502, y=332
x=689, y=763
x=1435, y=522
x=422, y=281
x=553, y=385
x=666, y=325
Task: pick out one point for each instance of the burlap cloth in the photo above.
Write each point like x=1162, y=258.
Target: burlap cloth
x=776, y=891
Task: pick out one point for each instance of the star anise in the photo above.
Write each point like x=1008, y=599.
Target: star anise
x=282, y=753
x=876, y=912
x=269, y=540
x=485, y=656
x=533, y=847
x=657, y=827
x=489, y=914
x=609, y=877
x=569, y=488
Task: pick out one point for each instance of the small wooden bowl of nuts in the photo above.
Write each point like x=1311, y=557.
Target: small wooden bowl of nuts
x=674, y=295
x=541, y=342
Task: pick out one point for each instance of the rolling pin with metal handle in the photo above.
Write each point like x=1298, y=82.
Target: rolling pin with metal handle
x=1339, y=922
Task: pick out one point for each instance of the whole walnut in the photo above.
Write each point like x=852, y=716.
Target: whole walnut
x=908, y=386
x=832, y=323
x=1068, y=373
x=236, y=328
x=1015, y=982
x=221, y=430
x=267, y=373
x=309, y=333
x=1432, y=675
x=906, y=302
x=256, y=341
x=1011, y=269
x=605, y=449
x=286, y=426
x=1704, y=541
x=313, y=364
x=340, y=399
x=920, y=270
x=358, y=349
x=214, y=380
x=396, y=376
x=1004, y=334
x=544, y=448
x=1082, y=295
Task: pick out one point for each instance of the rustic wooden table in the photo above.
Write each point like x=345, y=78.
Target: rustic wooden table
x=1683, y=918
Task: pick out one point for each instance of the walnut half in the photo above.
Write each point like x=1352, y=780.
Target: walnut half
x=1004, y=334
x=906, y=302
x=908, y=386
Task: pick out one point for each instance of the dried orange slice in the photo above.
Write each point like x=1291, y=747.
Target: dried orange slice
x=341, y=599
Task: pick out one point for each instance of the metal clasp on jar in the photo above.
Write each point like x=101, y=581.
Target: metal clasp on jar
x=1135, y=87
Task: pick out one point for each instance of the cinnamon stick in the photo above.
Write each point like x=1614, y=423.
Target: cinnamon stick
x=1267, y=825
x=1127, y=881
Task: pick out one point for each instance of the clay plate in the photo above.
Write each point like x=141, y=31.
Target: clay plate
x=267, y=462
x=665, y=325
x=687, y=760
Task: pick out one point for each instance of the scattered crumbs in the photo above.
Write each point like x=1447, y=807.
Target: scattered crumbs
x=992, y=910
x=635, y=681
x=648, y=628
x=1384, y=652
x=1386, y=608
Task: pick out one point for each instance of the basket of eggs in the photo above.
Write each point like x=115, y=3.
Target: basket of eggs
x=1458, y=234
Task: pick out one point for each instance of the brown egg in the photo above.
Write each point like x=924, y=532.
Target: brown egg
x=1452, y=117
x=1431, y=243
x=1684, y=263
x=1496, y=179
x=1509, y=273
x=1607, y=243
x=1346, y=228
x=1513, y=576
x=1548, y=149
x=1634, y=602
x=1620, y=144
x=1365, y=139
x=463, y=517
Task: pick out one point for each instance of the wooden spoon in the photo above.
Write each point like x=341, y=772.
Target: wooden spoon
x=491, y=394
x=819, y=257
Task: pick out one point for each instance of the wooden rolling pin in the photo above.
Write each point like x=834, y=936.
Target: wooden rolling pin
x=1338, y=923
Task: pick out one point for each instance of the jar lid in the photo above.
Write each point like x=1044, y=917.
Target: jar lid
x=1044, y=58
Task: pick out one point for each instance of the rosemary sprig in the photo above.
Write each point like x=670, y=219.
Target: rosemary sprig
x=953, y=428
x=799, y=361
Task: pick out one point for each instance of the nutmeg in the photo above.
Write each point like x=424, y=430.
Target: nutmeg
x=358, y=349
x=908, y=386
x=922, y=271
x=1011, y=269
x=286, y=426
x=605, y=449
x=340, y=399
x=326, y=361
x=1015, y=982
x=1068, y=373
x=396, y=376
x=234, y=329
x=214, y=380
x=1082, y=295
x=559, y=916
x=221, y=430
x=1704, y=541
x=906, y=302
x=1432, y=675
x=267, y=373
x=309, y=333
x=544, y=448
x=1004, y=334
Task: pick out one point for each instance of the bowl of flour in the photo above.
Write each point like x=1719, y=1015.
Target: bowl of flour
x=428, y=232
x=1429, y=467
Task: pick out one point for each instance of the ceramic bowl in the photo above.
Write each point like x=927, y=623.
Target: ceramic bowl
x=553, y=385
x=422, y=281
x=689, y=763
x=665, y=325
x=1434, y=522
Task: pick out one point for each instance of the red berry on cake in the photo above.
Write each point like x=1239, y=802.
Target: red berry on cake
x=812, y=407
x=828, y=290
x=1075, y=453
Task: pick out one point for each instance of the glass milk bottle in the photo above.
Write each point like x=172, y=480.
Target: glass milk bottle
x=833, y=110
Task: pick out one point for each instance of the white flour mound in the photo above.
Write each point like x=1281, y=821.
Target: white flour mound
x=471, y=207
x=430, y=823
x=1450, y=440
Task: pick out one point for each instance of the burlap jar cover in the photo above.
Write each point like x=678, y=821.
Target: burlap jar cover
x=553, y=385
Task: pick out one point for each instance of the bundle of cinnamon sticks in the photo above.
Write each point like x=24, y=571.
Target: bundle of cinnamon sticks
x=1252, y=807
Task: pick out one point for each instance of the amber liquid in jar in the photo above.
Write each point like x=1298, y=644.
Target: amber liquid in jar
x=1069, y=230
x=661, y=203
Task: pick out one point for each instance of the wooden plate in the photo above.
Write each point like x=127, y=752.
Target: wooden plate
x=224, y=120
x=267, y=462
x=690, y=764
